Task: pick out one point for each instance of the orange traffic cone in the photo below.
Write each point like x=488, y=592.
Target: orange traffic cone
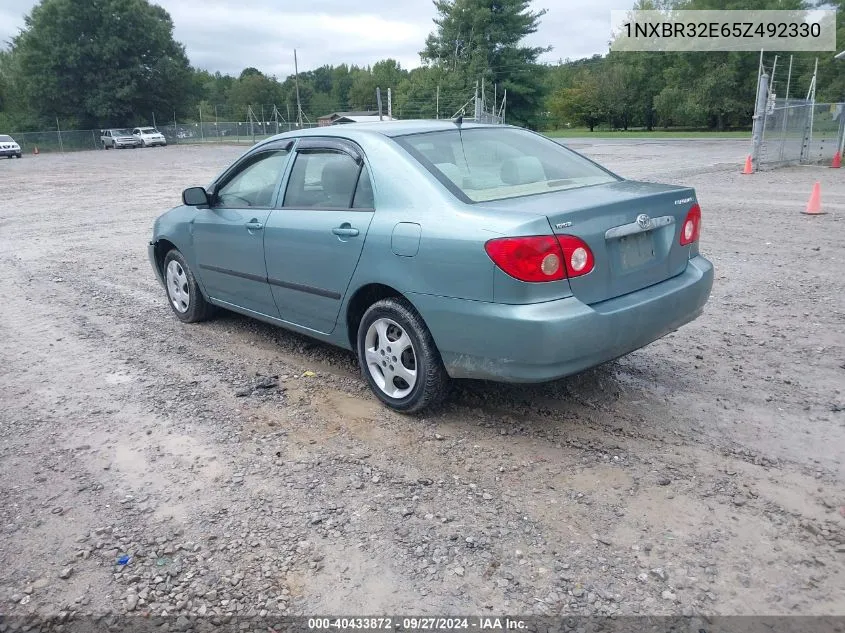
x=748, y=169
x=35, y=151
x=837, y=160
x=814, y=204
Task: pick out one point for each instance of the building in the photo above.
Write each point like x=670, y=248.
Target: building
x=336, y=118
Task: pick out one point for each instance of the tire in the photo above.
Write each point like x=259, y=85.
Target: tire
x=183, y=293
x=105, y=146
x=395, y=320
x=18, y=155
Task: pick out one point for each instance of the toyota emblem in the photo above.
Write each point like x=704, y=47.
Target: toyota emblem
x=643, y=220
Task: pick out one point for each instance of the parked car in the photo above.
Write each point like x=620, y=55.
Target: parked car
x=117, y=138
x=149, y=136
x=9, y=147
x=437, y=250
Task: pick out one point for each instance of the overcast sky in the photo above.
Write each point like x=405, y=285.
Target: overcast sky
x=229, y=35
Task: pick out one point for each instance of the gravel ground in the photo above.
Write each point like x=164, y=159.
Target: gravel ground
x=246, y=470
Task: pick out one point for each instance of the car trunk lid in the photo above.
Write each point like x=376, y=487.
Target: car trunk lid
x=631, y=227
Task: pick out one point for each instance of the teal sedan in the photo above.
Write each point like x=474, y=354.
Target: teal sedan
x=438, y=250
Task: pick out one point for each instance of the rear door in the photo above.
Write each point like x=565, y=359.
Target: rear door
x=313, y=242
x=229, y=236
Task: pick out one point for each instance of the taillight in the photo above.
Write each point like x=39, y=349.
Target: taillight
x=535, y=258
x=541, y=257
x=577, y=255
x=691, y=228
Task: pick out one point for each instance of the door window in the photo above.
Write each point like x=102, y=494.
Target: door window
x=322, y=179
x=255, y=184
x=364, y=198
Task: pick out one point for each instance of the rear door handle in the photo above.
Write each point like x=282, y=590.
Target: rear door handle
x=254, y=225
x=345, y=230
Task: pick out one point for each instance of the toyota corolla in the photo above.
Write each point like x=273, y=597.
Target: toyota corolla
x=438, y=250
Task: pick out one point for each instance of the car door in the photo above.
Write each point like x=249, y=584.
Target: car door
x=229, y=235
x=313, y=242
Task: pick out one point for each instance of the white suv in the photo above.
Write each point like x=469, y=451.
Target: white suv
x=149, y=136
x=9, y=147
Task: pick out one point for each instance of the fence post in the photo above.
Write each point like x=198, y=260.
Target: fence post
x=59, y=131
x=759, y=119
x=841, y=144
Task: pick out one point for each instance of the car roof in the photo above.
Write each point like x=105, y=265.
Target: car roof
x=383, y=128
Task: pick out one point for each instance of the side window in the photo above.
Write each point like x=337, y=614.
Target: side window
x=256, y=182
x=364, y=191
x=322, y=179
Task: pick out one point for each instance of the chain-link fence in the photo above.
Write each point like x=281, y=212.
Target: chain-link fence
x=797, y=131
x=231, y=132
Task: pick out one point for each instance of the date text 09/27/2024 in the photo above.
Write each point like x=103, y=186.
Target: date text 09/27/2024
x=417, y=623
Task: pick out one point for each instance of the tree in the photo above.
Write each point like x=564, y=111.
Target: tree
x=578, y=104
x=484, y=39
x=100, y=62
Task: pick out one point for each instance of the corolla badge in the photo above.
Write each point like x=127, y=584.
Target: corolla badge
x=643, y=220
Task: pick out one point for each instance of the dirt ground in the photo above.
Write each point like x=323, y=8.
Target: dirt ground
x=247, y=470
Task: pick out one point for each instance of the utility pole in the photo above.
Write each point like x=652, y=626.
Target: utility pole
x=476, y=101
x=389, y=105
x=438, y=101
x=378, y=99
x=296, y=82
x=202, y=132
x=483, y=108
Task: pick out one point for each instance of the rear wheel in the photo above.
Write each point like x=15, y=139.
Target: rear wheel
x=183, y=292
x=398, y=357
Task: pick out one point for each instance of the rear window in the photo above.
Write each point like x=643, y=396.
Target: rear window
x=481, y=164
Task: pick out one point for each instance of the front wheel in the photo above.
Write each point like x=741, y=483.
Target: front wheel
x=183, y=292
x=398, y=357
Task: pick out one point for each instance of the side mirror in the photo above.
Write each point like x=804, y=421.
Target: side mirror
x=195, y=197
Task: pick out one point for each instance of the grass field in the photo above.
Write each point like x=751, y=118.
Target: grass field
x=643, y=134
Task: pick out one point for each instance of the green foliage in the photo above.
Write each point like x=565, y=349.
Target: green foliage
x=97, y=63
x=483, y=39
x=92, y=62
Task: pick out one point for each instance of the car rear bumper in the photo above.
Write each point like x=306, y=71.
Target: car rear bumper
x=544, y=341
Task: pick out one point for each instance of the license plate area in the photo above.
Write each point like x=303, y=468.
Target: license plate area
x=636, y=250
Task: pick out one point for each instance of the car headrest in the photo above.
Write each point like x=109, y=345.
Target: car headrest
x=522, y=170
x=451, y=171
x=338, y=177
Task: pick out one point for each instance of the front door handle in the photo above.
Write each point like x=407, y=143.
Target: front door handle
x=345, y=230
x=254, y=225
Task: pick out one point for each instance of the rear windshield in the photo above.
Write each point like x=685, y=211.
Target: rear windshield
x=123, y=132
x=149, y=130
x=480, y=164
x=5, y=139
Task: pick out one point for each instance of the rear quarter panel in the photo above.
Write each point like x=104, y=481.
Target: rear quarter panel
x=450, y=260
